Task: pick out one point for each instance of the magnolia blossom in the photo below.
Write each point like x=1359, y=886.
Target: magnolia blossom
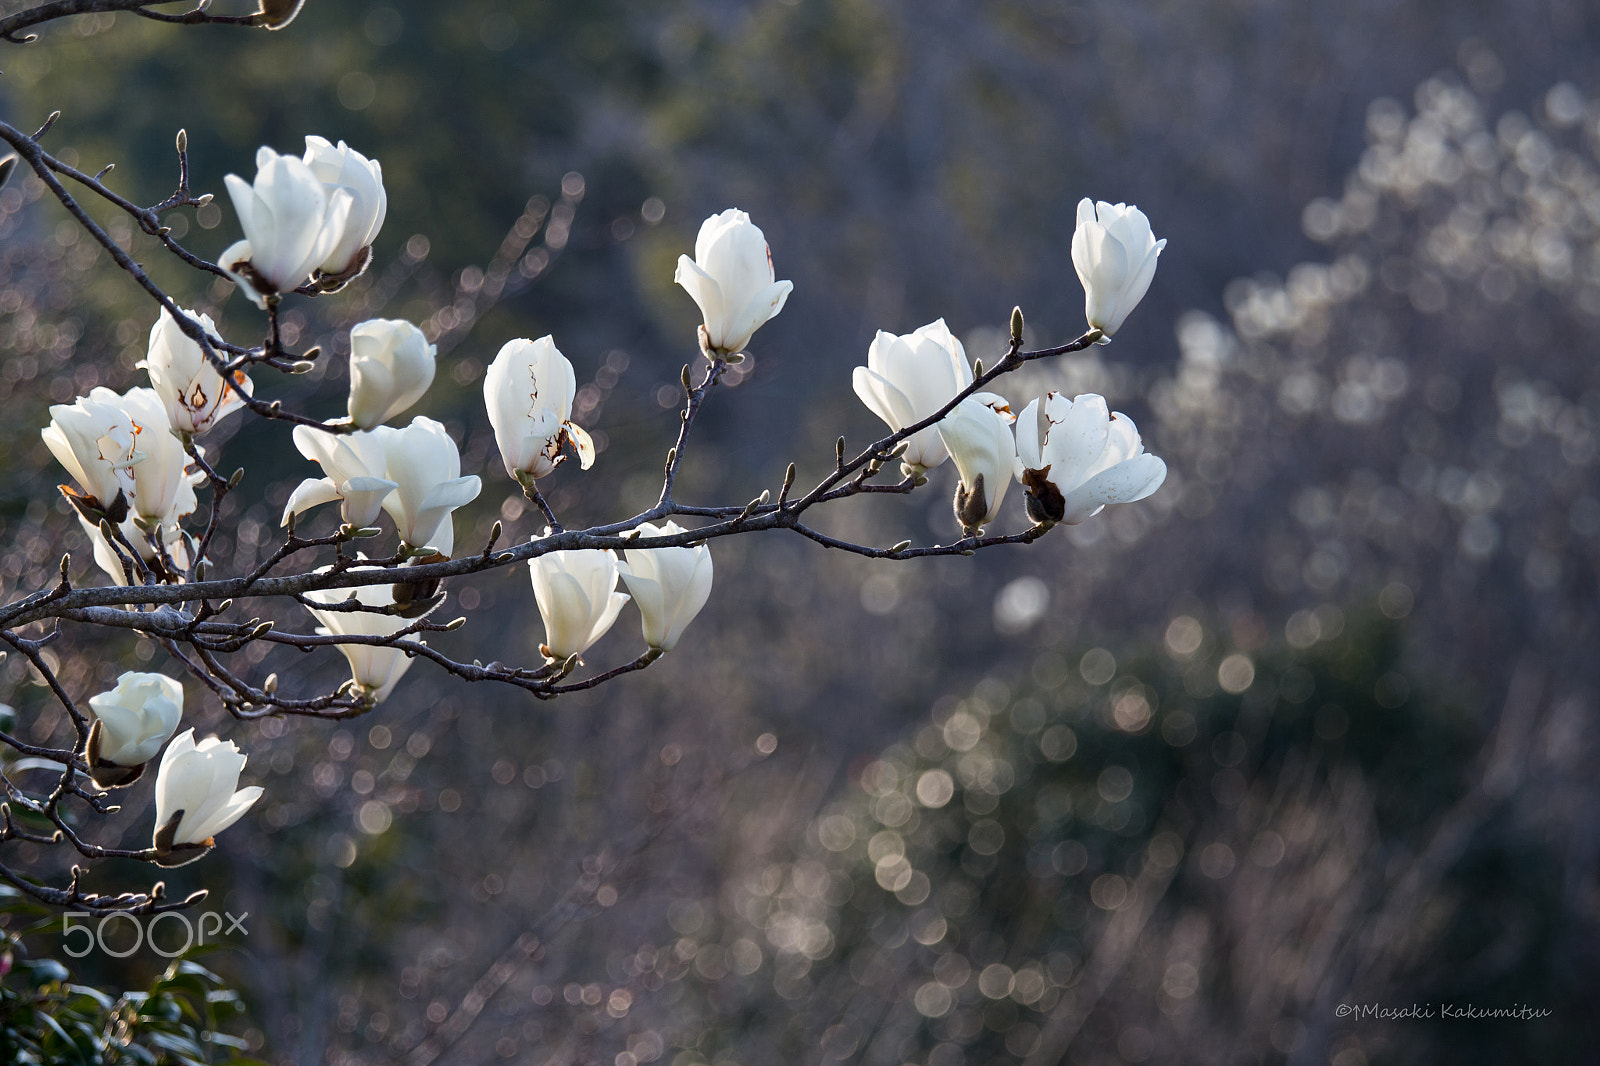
x=908, y=378
x=978, y=437
x=391, y=366
x=731, y=278
x=528, y=390
x=375, y=670
x=1115, y=254
x=1075, y=457
x=94, y=439
x=291, y=225
x=192, y=389
x=345, y=168
x=196, y=785
x=577, y=598
x=425, y=466
x=670, y=585
x=136, y=717
x=355, y=464
x=159, y=461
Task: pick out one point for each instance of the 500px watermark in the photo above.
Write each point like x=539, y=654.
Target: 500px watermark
x=209, y=923
x=1463, y=1011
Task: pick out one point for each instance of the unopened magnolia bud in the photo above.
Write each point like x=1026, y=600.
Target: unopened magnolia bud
x=455, y=623
x=977, y=368
x=366, y=532
x=1016, y=326
x=7, y=165
x=684, y=377
x=902, y=546
x=303, y=366
x=838, y=449
x=276, y=14
x=270, y=685
x=312, y=352
x=238, y=476
x=204, y=200
x=183, y=140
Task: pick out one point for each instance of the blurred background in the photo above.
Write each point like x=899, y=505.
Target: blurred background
x=1312, y=726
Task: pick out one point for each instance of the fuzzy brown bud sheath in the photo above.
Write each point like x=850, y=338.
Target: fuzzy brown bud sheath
x=276, y=14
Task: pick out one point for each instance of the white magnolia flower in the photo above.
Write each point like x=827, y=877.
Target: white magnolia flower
x=391, y=366
x=577, y=597
x=291, y=224
x=94, y=439
x=1074, y=457
x=193, y=391
x=528, y=390
x=376, y=670
x=345, y=168
x=425, y=466
x=200, y=780
x=731, y=278
x=978, y=436
x=908, y=378
x=159, y=461
x=136, y=717
x=1115, y=254
x=355, y=464
x=670, y=585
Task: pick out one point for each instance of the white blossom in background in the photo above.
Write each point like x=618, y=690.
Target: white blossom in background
x=425, y=466
x=136, y=717
x=907, y=378
x=528, y=391
x=977, y=433
x=391, y=366
x=731, y=278
x=577, y=598
x=1075, y=456
x=355, y=464
x=291, y=224
x=345, y=168
x=1115, y=254
x=669, y=585
x=159, y=467
x=93, y=438
x=375, y=670
x=195, y=395
x=200, y=781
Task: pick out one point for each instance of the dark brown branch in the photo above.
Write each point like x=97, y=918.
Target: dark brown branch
x=12, y=25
